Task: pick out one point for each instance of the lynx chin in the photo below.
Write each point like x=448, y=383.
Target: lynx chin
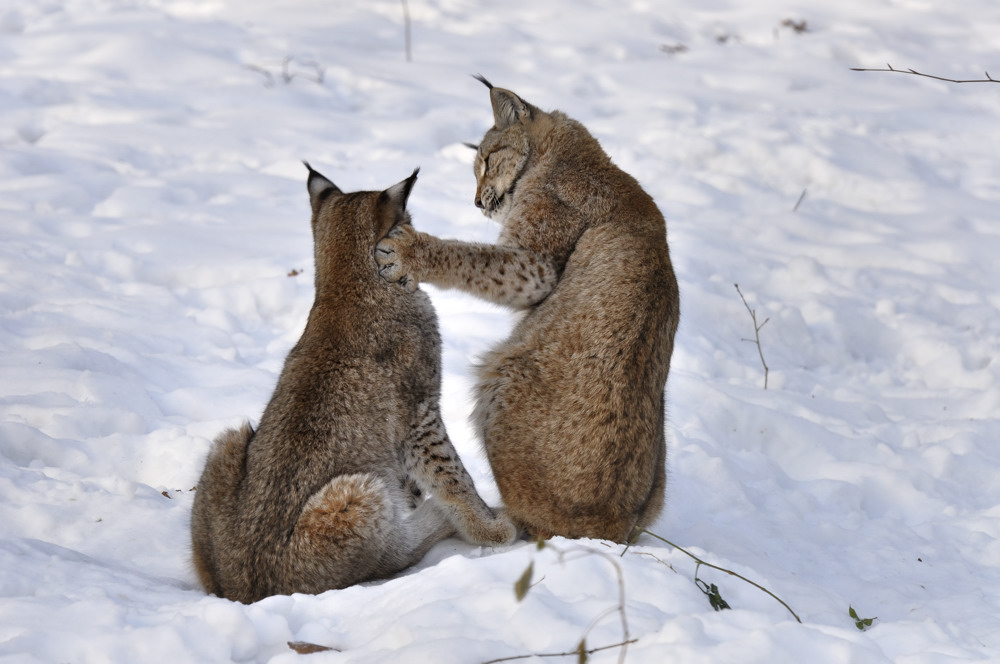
x=350, y=475
x=569, y=408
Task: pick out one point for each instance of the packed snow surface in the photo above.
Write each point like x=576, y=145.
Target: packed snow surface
x=156, y=266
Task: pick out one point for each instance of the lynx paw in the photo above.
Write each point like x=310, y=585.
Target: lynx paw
x=393, y=257
x=498, y=531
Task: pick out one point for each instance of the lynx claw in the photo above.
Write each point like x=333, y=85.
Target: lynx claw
x=409, y=283
x=392, y=273
x=387, y=269
x=390, y=263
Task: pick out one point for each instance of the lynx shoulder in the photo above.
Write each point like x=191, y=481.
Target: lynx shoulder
x=570, y=408
x=350, y=474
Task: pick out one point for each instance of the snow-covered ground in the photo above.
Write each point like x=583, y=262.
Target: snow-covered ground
x=155, y=267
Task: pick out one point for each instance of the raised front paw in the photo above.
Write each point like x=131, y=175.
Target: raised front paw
x=394, y=255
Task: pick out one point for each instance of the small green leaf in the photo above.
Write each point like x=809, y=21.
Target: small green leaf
x=524, y=583
x=581, y=651
x=713, y=594
x=861, y=623
x=715, y=599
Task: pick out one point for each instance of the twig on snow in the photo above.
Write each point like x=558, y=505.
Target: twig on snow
x=524, y=584
x=268, y=76
x=287, y=75
x=890, y=68
x=584, y=651
x=721, y=569
x=756, y=331
x=802, y=197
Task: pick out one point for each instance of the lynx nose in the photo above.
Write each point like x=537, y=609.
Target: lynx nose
x=479, y=203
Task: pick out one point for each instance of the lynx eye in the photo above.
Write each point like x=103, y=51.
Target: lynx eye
x=486, y=160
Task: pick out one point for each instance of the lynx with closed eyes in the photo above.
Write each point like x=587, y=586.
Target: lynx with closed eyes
x=570, y=407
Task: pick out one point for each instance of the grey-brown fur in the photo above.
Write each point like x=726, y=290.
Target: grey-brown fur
x=322, y=495
x=570, y=407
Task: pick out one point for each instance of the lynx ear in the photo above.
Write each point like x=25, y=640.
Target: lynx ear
x=508, y=108
x=395, y=198
x=400, y=192
x=319, y=188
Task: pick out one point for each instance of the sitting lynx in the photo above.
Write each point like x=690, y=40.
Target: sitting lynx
x=321, y=495
x=570, y=408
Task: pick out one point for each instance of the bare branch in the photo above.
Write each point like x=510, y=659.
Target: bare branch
x=799, y=202
x=320, y=71
x=268, y=77
x=673, y=49
x=521, y=590
x=756, y=330
x=406, y=31
x=723, y=569
x=890, y=68
x=287, y=75
x=591, y=651
x=626, y=637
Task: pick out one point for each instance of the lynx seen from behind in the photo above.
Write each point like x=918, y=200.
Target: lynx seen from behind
x=327, y=492
x=569, y=408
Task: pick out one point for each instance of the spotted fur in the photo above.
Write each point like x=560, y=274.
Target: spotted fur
x=569, y=408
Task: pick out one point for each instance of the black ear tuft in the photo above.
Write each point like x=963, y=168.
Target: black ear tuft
x=482, y=79
x=471, y=146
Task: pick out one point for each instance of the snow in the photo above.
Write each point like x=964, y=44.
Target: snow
x=155, y=267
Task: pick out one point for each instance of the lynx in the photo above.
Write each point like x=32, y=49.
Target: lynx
x=331, y=489
x=570, y=407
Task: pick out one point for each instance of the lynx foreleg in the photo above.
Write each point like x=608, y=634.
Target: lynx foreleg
x=510, y=276
x=432, y=461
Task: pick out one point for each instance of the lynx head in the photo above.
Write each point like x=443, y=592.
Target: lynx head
x=503, y=154
x=346, y=227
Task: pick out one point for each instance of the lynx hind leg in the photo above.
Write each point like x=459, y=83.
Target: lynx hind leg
x=355, y=528
x=432, y=461
x=215, y=500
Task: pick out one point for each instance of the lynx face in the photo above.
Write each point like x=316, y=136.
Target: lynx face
x=500, y=161
x=503, y=155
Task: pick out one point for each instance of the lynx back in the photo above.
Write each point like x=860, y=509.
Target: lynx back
x=350, y=474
